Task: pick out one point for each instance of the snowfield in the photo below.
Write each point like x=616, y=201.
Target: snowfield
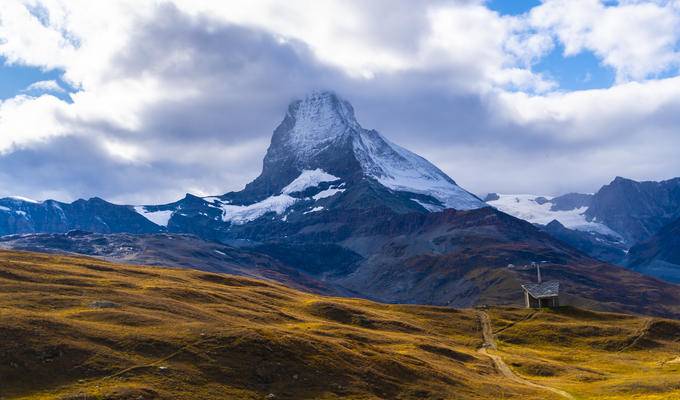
x=240, y=215
x=160, y=218
x=308, y=179
x=525, y=206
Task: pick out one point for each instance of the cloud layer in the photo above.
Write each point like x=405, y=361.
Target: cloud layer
x=182, y=96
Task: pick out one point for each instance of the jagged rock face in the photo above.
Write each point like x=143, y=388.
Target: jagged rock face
x=570, y=201
x=315, y=133
x=636, y=210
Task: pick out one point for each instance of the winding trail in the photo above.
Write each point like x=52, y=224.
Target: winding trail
x=501, y=366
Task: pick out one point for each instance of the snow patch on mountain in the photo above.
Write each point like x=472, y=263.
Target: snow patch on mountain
x=528, y=208
x=160, y=218
x=308, y=179
x=240, y=215
x=327, y=193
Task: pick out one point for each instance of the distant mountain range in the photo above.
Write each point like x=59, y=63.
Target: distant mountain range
x=605, y=225
x=339, y=209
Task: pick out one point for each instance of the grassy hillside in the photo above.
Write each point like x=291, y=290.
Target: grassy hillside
x=78, y=328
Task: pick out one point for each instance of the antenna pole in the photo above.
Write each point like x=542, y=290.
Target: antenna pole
x=538, y=272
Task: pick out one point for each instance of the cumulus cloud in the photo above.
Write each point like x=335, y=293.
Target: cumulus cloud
x=182, y=96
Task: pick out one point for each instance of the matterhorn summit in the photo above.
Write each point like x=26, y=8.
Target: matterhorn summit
x=320, y=132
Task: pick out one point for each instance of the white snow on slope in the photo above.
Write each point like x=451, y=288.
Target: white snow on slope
x=240, y=215
x=401, y=170
x=327, y=193
x=307, y=179
x=160, y=218
x=315, y=209
x=3, y=208
x=524, y=206
x=427, y=206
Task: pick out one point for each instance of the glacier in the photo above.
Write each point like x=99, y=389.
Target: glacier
x=526, y=207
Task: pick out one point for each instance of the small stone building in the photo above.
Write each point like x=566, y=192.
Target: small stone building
x=541, y=294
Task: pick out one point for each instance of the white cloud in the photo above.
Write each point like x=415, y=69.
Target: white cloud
x=26, y=119
x=45, y=86
x=638, y=39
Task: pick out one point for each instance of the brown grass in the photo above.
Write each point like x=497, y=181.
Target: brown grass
x=78, y=328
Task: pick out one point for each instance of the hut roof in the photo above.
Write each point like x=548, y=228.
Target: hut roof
x=541, y=290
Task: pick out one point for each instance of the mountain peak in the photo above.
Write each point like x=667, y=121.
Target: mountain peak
x=320, y=117
x=321, y=132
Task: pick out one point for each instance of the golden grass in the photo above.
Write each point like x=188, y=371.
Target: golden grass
x=592, y=355
x=78, y=328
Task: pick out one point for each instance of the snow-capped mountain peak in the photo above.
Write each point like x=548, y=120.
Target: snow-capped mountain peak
x=319, y=118
x=321, y=132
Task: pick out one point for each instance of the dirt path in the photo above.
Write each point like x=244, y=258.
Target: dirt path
x=501, y=366
x=641, y=333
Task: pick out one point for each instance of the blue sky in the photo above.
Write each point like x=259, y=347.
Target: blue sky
x=15, y=79
x=575, y=72
x=512, y=7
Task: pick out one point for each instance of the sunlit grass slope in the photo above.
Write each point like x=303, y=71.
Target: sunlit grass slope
x=592, y=355
x=78, y=328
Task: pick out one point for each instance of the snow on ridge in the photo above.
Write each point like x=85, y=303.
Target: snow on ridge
x=402, y=170
x=525, y=206
x=160, y=218
x=24, y=199
x=240, y=215
x=308, y=178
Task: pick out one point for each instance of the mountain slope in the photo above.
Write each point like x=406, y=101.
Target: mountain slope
x=636, y=210
x=79, y=328
x=172, y=250
x=600, y=247
x=658, y=255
